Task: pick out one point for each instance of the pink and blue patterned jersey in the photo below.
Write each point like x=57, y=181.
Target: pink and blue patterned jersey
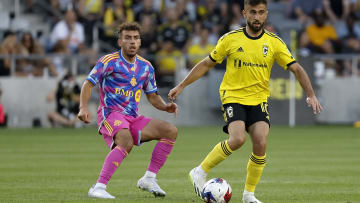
x=121, y=82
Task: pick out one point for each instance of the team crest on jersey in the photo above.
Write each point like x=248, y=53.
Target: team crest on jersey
x=133, y=81
x=230, y=111
x=265, y=49
x=117, y=123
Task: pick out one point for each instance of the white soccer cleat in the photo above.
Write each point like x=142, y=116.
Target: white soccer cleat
x=99, y=192
x=150, y=185
x=249, y=197
x=198, y=180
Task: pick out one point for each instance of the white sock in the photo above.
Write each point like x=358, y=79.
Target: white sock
x=200, y=170
x=150, y=174
x=100, y=185
x=248, y=193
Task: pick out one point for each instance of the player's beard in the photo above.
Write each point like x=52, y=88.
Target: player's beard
x=255, y=29
x=131, y=54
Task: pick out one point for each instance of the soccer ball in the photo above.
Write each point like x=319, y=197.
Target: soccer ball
x=216, y=190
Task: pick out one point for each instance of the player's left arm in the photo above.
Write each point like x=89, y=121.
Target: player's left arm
x=305, y=83
x=160, y=104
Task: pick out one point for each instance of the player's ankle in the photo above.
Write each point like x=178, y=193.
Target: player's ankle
x=248, y=193
x=201, y=171
x=100, y=185
x=150, y=174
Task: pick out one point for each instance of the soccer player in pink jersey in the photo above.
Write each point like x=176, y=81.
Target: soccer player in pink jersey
x=121, y=77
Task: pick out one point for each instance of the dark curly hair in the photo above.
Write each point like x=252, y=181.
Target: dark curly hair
x=128, y=26
x=255, y=2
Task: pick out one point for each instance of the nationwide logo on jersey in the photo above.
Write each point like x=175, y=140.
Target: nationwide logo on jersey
x=265, y=50
x=133, y=81
x=117, y=123
x=240, y=49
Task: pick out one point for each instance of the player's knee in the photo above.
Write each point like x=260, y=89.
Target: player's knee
x=236, y=142
x=171, y=131
x=125, y=141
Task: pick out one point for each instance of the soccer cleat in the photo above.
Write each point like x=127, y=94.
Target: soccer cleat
x=198, y=180
x=150, y=185
x=249, y=197
x=99, y=192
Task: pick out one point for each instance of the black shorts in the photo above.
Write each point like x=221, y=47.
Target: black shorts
x=248, y=114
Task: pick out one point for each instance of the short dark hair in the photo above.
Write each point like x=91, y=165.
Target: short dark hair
x=128, y=26
x=255, y=2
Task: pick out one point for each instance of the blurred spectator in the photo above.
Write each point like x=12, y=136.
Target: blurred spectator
x=54, y=12
x=198, y=51
x=351, y=46
x=210, y=15
x=29, y=6
x=336, y=9
x=237, y=19
x=174, y=30
x=116, y=14
x=355, y=7
x=181, y=10
x=148, y=36
x=90, y=11
x=271, y=28
x=166, y=63
x=319, y=37
x=68, y=34
x=302, y=9
x=36, y=66
x=224, y=19
x=196, y=35
x=67, y=98
x=348, y=27
x=10, y=47
x=146, y=8
x=3, y=116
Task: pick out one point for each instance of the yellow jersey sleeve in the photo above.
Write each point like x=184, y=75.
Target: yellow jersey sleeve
x=282, y=54
x=221, y=50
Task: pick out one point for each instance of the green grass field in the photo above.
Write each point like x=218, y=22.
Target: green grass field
x=305, y=164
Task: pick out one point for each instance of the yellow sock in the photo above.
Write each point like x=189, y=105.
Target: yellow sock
x=220, y=152
x=255, y=168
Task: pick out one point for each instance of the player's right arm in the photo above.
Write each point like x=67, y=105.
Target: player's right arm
x=94, y=77
x=85, y=94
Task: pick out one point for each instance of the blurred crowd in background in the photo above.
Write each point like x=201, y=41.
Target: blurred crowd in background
x=170, y=29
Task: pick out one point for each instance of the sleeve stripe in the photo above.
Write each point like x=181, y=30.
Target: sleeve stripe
x=109, y=57
x=151, y=91
x=105, y=57
x=212, y=58
x=142, y=59
x=289, y=64
x=91, y=80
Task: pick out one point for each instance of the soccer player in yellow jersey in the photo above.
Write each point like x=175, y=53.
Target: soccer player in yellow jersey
x=250, y=52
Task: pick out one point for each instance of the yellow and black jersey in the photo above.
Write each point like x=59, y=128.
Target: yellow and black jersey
x=249, y=64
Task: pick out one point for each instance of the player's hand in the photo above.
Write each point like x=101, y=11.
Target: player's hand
x=84, y=115
x=314, y=104
x=174, y=92
x=172, y=108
